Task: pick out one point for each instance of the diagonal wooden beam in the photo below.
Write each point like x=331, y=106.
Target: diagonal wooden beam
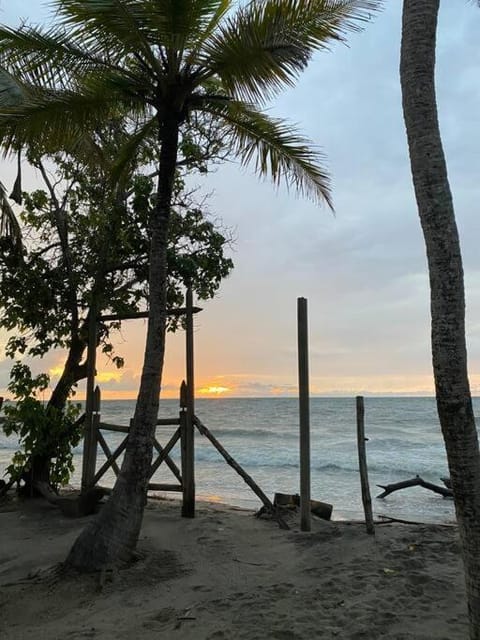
x=107, y=452
x=108, y=463
x=165, y=457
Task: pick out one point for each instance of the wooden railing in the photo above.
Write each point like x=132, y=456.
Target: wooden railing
x=94, y=437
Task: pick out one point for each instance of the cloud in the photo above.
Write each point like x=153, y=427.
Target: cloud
x=364, y=269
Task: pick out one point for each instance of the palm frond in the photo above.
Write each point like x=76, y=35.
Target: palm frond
x=102, y=24
x=52, y=58
x=159, y=32
x=54, y=120
x=205, y=29
x=12, y=92
x=275, y=147
x=266, y=44
x=128, y=152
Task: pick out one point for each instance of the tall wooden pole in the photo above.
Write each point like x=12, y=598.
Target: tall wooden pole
x=304, y=409
x=90, y=438
x=362, y=461
x=188, y=508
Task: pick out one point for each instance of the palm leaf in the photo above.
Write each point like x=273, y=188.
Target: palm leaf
x=129, y=151
x=57, y=119
x=48, y=60
x=102, y=24
x=275, y=147
x=265, y=45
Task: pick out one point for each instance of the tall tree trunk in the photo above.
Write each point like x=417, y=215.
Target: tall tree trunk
x=73, y=371
x=112, y=536
x=437, y=216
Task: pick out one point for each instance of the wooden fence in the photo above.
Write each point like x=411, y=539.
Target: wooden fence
x=185, y=425
x=94, y=438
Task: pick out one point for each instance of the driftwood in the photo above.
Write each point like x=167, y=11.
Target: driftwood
x=389, y=520
x=417, y=481
x=292, y=500
x=75, y=505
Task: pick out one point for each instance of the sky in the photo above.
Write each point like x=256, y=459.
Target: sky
x=363, y=269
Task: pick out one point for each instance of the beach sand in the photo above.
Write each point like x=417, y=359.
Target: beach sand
x=227, y=575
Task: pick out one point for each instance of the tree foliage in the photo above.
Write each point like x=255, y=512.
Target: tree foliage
x=41, y=432
x=85, y=250
x=81, y=239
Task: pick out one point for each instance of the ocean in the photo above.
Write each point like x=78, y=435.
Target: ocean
x=404, y=440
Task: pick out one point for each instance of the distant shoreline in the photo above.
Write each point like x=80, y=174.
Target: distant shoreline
x=291, y=397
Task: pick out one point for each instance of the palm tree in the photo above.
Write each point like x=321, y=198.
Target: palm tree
x=163, y=62
x=447, y=298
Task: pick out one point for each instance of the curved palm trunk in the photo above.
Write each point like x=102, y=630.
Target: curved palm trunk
x=113, y=535
x=435, y=207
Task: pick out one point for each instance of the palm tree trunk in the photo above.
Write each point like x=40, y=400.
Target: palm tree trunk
x=437, y=216
x=112, y=536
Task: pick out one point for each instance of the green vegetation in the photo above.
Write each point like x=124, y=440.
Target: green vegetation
x=85, y=247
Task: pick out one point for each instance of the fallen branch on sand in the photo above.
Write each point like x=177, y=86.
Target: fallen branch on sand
x=417, y=481
x=76, y=505
x=389, y=520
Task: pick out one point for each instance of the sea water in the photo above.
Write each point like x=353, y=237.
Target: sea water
x=262, y=435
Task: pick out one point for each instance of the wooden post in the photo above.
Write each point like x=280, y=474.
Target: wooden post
x=90, y=439
x=362, y=461
x=188, y=475
x=304, y=410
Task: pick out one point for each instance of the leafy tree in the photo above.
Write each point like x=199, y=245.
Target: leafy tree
x=165, y=62
x=447, y=296
x=43, y=431
x=84, y=249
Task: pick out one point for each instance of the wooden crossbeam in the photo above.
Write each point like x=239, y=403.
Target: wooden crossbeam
x=164, y=487
x=107, y=452
x=164, y=456
x=105, y=426
x=144, y=314
x=108, y=463
x=120, y=428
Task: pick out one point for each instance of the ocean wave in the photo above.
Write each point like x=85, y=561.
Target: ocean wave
x=252, y=433
x=397, y=443
x=285, y=462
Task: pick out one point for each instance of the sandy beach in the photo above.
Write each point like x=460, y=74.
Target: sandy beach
x=227, y=575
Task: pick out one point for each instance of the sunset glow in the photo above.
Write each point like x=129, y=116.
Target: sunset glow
x=214, y=391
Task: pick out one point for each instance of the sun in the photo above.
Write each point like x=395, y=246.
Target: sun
x=213, y=390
